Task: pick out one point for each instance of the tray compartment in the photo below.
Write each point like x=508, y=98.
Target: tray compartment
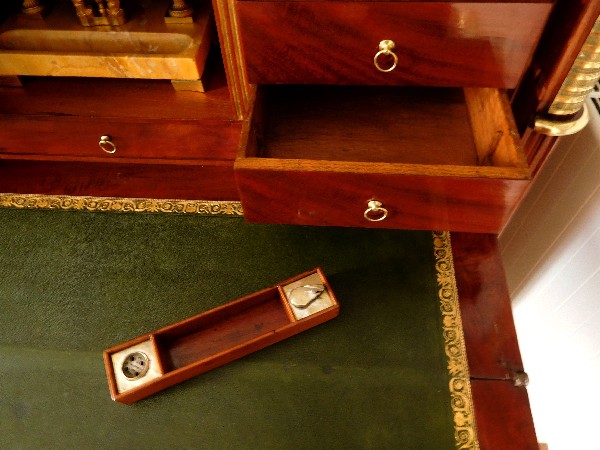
x=208, y=340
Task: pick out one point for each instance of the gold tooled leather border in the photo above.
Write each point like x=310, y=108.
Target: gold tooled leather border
x=125, y=205
x=461, y=398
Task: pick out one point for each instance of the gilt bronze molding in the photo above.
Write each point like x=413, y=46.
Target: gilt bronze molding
x=458, y=367
x=124, y=205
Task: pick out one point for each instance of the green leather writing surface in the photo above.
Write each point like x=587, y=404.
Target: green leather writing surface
x=75, y=283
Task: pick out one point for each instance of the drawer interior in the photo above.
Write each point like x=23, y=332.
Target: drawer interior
x=412, y=127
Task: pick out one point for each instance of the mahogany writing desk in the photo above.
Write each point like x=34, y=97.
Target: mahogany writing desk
x=315, y=128
x=385, y=361
x=305, y=126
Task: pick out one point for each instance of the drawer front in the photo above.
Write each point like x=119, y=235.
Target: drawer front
x=480, y=205
x=436, y=43
x=22, y=137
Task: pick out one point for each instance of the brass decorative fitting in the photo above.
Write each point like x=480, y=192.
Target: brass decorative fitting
x=562, y=126
x=568, y=114
x=521, y=379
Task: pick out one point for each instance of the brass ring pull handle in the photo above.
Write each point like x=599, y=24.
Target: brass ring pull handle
x=375, y=211
x=107, y=145
x=385, y=48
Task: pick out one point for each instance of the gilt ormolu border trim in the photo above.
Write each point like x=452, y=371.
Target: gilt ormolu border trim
x=461, y=398
x=125, y=205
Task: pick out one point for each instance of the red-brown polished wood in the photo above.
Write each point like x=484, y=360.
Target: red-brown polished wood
x=414, y=202
x=492, y=346
x=503, y=417
x=64, y=118
x=435, y=158
x=169, y=144
x=135, y=140
x=502, y=410
x=568, y=27
x=218, y=336
x=120, y=98
x=367, y=124
x=437, y=43
x=208, y=181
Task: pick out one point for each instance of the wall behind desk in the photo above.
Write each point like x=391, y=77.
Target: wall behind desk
x=551, y=253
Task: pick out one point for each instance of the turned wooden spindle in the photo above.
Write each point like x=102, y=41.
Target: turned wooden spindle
x=106, y=12
x=180, y=8
x=101, y=8
x=114, y=8
x=32, y=7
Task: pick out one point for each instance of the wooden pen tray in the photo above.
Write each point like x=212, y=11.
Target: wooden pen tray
x=152, y=362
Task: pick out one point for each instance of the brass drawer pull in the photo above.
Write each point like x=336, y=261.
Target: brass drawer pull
x=107, y=145
x=375, y=211
x=385, y=48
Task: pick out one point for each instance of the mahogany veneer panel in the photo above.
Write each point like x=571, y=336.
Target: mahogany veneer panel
x=76, y=138
x=413, y=202
x=170, y=144
x=208, y=181
x=148, y=121
x=502, y=410
x=568, y=27
x=246, y=325
x=437, y=43
x=503, y=416
x=490, y=334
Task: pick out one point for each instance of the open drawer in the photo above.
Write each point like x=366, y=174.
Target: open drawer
x=392, y=157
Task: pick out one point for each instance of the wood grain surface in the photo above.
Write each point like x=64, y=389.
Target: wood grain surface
x=437, y=43
x=490, y=334
x=322, y=153
x=206, y=180
x=502, y=411
x=567, y=29
x=116, y=98
x=413, y=202
x=135, y=139
x=503, y=416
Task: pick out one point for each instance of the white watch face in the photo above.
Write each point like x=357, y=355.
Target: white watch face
x=135, y=365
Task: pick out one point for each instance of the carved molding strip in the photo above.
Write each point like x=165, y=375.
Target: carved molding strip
x=125, y=205
x=465, y=433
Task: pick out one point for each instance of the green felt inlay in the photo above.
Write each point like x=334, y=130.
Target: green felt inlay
x=75, y=283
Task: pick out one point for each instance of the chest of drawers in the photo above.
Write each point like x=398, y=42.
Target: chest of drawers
x=325, y=149
x=319, y=122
